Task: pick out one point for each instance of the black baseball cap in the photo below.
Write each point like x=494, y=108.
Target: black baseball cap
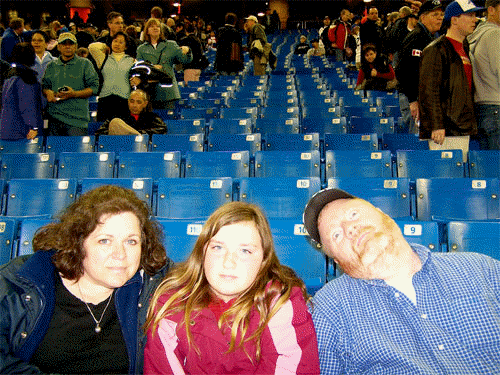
x=429, y=6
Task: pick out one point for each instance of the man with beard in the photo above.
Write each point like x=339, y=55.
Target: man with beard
x=398, y=308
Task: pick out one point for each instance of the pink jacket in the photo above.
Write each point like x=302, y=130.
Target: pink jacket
x=288, y=344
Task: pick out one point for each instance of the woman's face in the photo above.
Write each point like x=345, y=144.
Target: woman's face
x=233, y=258
x=118, y=44
x=154, y=31
x=370, y=56
x=38, y=43
x=112, y=252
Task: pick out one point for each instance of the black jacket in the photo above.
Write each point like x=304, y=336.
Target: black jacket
x=147, y=123
x=194, y=44
x=226, y=36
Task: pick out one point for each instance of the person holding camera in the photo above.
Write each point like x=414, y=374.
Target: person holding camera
x=67, y=84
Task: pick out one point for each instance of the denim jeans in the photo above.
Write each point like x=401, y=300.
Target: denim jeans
x=407, y=122
x=488, y=126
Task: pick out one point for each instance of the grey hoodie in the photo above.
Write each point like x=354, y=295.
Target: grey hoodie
x=484, y=53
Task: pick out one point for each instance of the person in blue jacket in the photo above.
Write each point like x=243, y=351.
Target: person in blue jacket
x=78, y=304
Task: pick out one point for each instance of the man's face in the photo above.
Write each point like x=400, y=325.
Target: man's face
x=67, y=49
x=326, y=21
x=136, y=103
x=344, y=16
x=373, y=14
x=433, y=20
x=359, y=237
x=115, y=25
x=466, y=23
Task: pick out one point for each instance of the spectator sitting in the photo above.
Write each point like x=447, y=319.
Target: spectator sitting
x=139, y=120
x=316, y=50
x=302, y=47
x=375, y=72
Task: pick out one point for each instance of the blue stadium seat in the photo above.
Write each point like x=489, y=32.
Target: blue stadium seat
x=120, y=143
x=275, y=113
x=336, y=125
x=244, y=102
x=8, y=230
x=477, y=236
x=23, y=146
x=351, y=142
x=177, y=142
x=279, y=197
x=192, y=198
x=218, y=164
x=429, y=163
x=86, y=165
x=27, y=230
x=230, y=126
x=391, y=195
x=180, y=237
x=149, y=165
x=186, y=126
x=287, y=164
x=317, y=111
x=282, y=101
x=142, y=187
x=284, y=126
x=199, y=113
x=397, y=142
x=35, y=197
x=207, y=103
x=362, y=111
x=363, y=125
x=58, y=144
x=448, y=199
x=291, y=142
x=424, y=233
x=484, y=164
x=235, y=142
x=357, y=164
x=28, y=165
x=244, y=112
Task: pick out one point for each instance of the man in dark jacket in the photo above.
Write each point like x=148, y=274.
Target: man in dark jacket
x=370, y=32
x=10, y=38
x=115, y=24
x=192, y=70
x=257, y=40
x=445, y=92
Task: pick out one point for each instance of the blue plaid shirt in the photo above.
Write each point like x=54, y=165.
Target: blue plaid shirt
x=369, y=327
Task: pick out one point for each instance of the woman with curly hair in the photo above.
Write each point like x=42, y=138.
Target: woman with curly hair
x=78, y=303
x=231, y=307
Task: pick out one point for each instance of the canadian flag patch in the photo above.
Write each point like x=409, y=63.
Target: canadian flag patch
x=416, y=52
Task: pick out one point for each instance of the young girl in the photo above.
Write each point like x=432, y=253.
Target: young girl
x=231, y=308
x=375, y=72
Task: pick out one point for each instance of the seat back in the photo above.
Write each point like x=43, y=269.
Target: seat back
x=336, y=125
x=357, y=164
x=149, y=164
x=27, y=230
x=177, y=142
x=230, y=126
x=86, y=165
x=397, y=142
x=287, y=164
x=180, y=237
x=27, y=166
x=188, y=126
x=424, y=233
x=22, y=146
x=235, y=142
x=142, y=187
x=292, y=142
x=360, y=125
x=277, y=126
x=351, y=142
x=58, y=144
x=8, y=231
x=476, y=236
x=429, y=164
x=120, y=143
x=484, y=164
x=218, y=164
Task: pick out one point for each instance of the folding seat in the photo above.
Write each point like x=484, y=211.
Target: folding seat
x=336, y=125
x=120, y=143
x=8, y=231
x=199, y=113
x=351, y=142
x=363, y=125
x=277, y=126
x=189, y=126
x=279, y=197
x=274, y=113
x=391, y=111
x=313, y=96
x=235, y=142
x=206, y=103
x=27, y=230
x=318, y=111
x=476, y=236
x=58, y=144
x=230, y=126
x=424, y=233
x=484, y=164
x=292, y=142
x=165, y=114
x=281, y=101
x=294, y=251
x=244, y=112
x=86, y=165
x=391, y=195
x=357, y=164
x=396, y=142
x=218, y=164
x=35, y=197
x=153, y=165
x=192, y=198
x=448, y=199
x=244, y=102
x=23, y=146
x=180, y=237
x=177, y=142
x=142, y=187
x=28, y=165
x=429, y=163
x=287, y=164
x=361, y=111
x=351, y=98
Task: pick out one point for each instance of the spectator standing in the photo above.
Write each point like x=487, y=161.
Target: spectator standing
x=83, y=38
x=338, y=36
x=370, y=31
x=10, y=38
x=21, y=115
x=323, y=36
x=192, y=70
x=484, y=45
x=68, y=82
x=445, y=89
x=229, y=55
x=39, y=41
x=257, y=40
x=115, y=24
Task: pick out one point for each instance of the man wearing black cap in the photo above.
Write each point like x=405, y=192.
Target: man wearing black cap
x=398, y=308
x=407, y=69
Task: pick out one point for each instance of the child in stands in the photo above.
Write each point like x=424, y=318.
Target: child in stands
x=231, y=307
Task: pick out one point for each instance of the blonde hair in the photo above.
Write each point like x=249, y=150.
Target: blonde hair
x=190, y=290
x=149, y=22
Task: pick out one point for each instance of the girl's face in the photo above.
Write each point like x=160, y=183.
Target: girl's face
x=370, y=56
x=233, y=258
x=118, y=44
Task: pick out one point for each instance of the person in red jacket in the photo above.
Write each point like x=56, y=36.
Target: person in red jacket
x=338, y=35
x=231, y=307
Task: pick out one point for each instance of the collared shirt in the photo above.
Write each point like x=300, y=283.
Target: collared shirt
x=369, y=327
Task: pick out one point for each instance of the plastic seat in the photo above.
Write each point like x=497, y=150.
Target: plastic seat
x=86, y=165
x=23, y=146
x=149, y=165
x=244, y=102
x=477, y=236
x=362, y=111
x=357, y=164
x=199, y=113
x=351, y=142
x=177, y=142
x=120, y=143
x=424, y=233
x=327, y=112
x=484, y=164
x=277, y=126
x=235, y=142
x=142, y=187
x=292, y=142
x=218, y=164
x=397, y=142
x=362, y=125
x=186, y=126
x=180, y=237
x=243, y=112
x=192, y=198
x=337, y=125
x=282, y=101
x=8, y=231
x=207, y=103
x=34, y=197
x=230, y=126
x=27, y=230
x=28, y=165
x=58, y=144
x=287, y=164
x=391, y=195
x=449, y=199
x=279, y=197
x=429, y=163
x=274, y=113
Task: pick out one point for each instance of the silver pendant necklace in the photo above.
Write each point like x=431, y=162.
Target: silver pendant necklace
x=97, y=328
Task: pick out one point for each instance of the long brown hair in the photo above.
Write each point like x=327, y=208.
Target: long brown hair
x=190, y=290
